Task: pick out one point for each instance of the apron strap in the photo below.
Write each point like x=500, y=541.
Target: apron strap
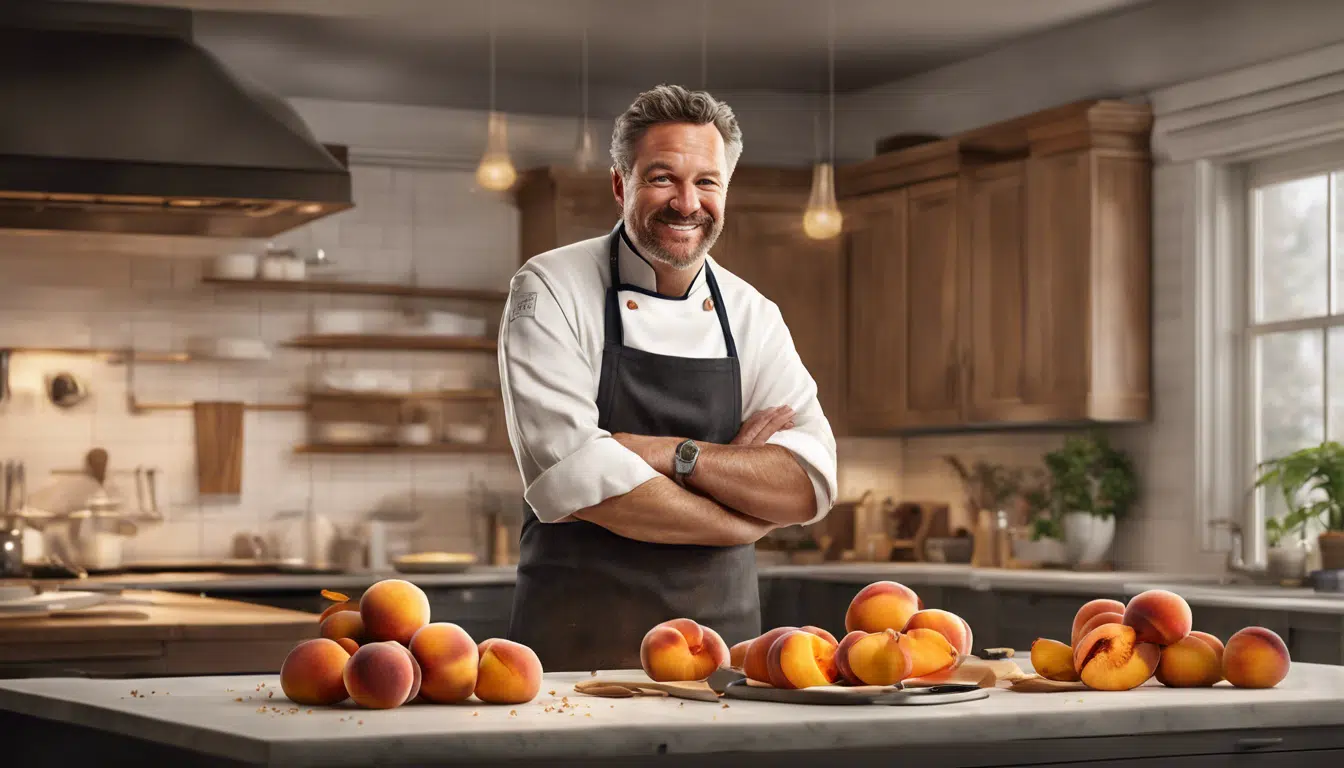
x=615, y=332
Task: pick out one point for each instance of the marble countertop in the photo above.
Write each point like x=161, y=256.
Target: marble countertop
x=1195, y=588
x=235, y=717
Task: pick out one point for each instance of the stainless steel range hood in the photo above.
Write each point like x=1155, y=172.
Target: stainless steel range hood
x=113, y=120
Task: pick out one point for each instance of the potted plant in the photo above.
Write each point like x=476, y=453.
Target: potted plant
x=1045, y=542
x=1287, y=554
x=989, y=488
x=1091, y=486
x=1311, y=481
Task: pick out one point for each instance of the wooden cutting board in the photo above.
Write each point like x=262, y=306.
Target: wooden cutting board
x=219, y=447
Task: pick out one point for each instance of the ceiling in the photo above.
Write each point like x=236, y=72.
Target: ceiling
x=437, y=51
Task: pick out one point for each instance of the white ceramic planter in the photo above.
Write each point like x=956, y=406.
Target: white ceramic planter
x=1087, y=538
x=1044, y=551
x=1287, y=563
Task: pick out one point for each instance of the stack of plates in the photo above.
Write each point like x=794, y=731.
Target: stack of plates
x=434, y=562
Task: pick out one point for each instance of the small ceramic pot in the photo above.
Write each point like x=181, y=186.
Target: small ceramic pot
x=1087, y=538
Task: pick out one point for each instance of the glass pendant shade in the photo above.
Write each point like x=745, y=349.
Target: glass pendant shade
x=822, y=219
x=496, y=171
x=585, y=154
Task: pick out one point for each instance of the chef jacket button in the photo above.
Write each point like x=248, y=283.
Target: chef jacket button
x=630, y=304
x=709, y=304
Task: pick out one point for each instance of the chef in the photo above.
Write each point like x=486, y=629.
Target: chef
x=660, y=415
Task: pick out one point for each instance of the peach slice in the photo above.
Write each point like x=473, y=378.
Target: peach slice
x=877, y=659
x=755, y=663
x=799, y=659
x=680, y=650
x=880, y=606
x=945, y=623
x=1111, y=658
x=1053, y=660
x=929, y=652
x=842, y=656
x=1256, y=657
x=1090, y=609
x=1158, y=616
x=737, y=655
x=1195, y=660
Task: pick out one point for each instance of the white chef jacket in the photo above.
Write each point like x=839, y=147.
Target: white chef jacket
x=550, y=361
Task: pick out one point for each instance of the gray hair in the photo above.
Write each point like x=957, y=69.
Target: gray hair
x=673, y=104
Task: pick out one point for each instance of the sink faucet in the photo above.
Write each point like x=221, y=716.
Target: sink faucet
x=1236, y=562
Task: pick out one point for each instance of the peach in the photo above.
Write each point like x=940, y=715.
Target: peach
x=754, y=663
x=312, y=673
x=382, y=675
x=393, y=609
x=509, y=673
x=348, y=644
x=880, y=606
x=348, y=605
x=448, y=662
x=1255, y=657
x=945, y=623
x=681, y=649
x=1090, y=609
x=842, y=656
x=877, y=659
x=343, y=624
x=929, y=652
x=1195, y=660
x=1053, y=660
x=1108, y=617
x=738, y=654
x=1158, y=616
x=799, y=659
x=1111, y=658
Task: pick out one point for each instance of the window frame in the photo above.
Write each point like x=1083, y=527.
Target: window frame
x=1251, y=176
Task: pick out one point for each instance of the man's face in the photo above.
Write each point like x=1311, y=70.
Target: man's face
x=673, y=200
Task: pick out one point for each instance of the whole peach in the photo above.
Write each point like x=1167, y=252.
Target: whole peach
x=1256, y=657
x=681, y=650
x=382, y=675
x=945, y=623
x=448, y=661
x=880, y=606
x=312, y=673
x=393, y=609
x=1191, y=662
x=1158, y=616
x=509, y=673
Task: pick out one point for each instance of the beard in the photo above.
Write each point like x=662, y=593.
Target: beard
x=654, y=241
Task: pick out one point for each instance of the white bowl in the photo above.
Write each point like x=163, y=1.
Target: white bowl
x=236, y=266
x=273, y=269
x=470, y=434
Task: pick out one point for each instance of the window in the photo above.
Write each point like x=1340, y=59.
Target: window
x=1295, y=315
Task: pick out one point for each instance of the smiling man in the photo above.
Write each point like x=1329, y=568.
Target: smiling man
x=661, y=417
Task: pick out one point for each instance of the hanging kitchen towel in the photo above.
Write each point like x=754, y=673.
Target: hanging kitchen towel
x=219, y=447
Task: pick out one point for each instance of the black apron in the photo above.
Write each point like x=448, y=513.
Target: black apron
x=585, y=596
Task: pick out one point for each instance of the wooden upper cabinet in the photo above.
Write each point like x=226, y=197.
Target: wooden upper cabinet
x=558, y=206
x=803, y=277
x=996, y=300
x=1011, y=289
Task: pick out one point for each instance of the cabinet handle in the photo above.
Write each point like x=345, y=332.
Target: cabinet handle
x=1252, y=744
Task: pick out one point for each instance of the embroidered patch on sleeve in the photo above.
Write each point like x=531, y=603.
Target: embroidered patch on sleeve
x=524, y=305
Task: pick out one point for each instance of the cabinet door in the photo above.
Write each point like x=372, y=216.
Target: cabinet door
x=583, y=216
x=932, y=382
x=996, y=229
x=875, y=242
x=1058, y=295
x=767, y=248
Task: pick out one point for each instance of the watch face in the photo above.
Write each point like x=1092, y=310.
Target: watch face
x=688, y=451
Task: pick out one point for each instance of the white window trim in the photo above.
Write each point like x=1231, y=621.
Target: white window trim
x=1214, y=127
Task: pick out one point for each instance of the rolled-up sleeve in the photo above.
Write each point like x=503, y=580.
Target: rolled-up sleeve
x=782, y=379
x=549, y=389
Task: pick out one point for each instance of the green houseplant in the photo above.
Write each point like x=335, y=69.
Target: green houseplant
x=1092, y=484
x=1311, y=482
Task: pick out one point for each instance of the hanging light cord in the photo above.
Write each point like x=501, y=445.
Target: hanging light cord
x=830, y=58
x=704, y=45
x=585, y=75
x=492, y=57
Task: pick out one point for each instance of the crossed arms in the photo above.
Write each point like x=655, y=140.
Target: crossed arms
x=738, y=492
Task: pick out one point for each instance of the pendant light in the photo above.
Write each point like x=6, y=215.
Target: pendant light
x=496, y=171
x=585, y=154
x=822, y=219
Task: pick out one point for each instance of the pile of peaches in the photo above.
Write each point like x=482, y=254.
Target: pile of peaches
x=382, y=651
x=891, y=637
x=1116, y=646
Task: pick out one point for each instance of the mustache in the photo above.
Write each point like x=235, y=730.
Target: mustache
x=668, y=216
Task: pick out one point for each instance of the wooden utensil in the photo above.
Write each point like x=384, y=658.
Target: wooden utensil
x=219, y=447
x=95, y=461
x=1038, y=684
x=625, y=689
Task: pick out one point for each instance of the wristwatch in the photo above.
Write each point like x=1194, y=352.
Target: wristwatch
x=683, y=460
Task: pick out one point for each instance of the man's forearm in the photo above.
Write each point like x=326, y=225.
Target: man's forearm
x=762, y=481
x=661, y=512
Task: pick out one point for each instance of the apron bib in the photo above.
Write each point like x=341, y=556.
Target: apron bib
x=585, y=596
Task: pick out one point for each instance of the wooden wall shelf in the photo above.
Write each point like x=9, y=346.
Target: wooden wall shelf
x=359, y=289
x=392, y=397
x=393, y=343
x=395, y=448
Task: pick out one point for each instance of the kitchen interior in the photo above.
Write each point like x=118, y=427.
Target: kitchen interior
x=265, y=365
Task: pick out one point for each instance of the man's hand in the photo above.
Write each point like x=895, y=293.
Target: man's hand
x=762, y=424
